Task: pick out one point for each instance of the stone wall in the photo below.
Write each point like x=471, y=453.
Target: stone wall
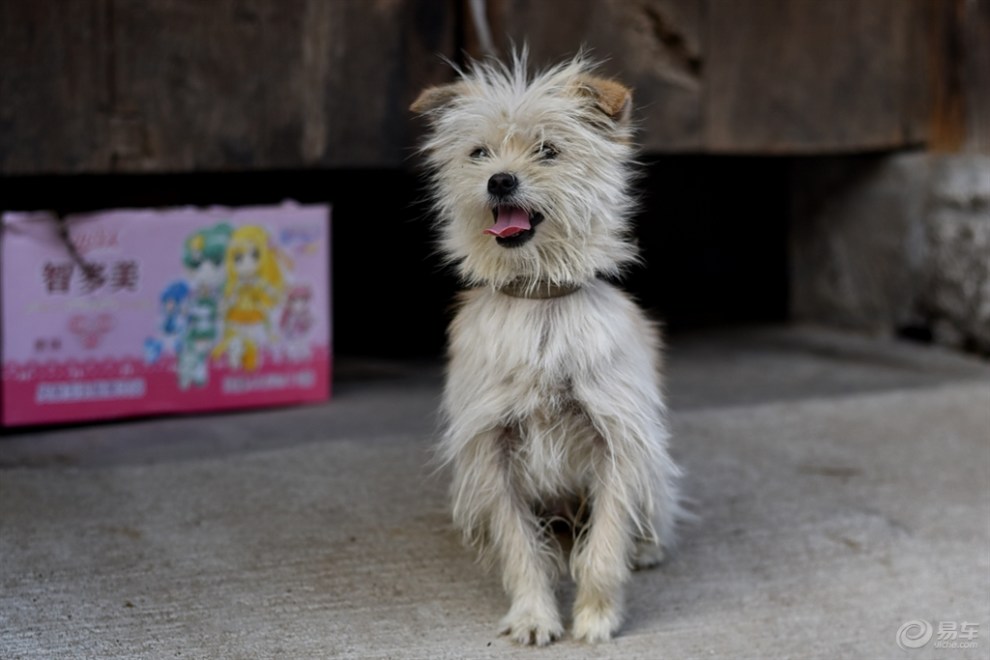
x=955, y=298
x=894, y=245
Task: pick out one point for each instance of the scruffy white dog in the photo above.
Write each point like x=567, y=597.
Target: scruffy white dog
x=553, y=406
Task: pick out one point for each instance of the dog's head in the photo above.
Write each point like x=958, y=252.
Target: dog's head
x=531, y=173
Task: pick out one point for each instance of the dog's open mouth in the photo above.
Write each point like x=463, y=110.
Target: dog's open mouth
x=513, y=226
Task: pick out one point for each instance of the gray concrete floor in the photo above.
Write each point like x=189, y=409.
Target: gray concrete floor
x=842, y=484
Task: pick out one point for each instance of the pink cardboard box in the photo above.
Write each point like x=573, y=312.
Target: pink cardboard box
x=164, y=311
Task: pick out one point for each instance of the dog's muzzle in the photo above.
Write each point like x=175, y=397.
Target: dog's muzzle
x=513, y=224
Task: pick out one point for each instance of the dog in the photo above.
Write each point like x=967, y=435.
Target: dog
x=553, y=409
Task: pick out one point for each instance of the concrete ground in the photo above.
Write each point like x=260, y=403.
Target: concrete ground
x=842, y=484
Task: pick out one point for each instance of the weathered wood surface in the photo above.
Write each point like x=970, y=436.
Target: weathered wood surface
x=54, y=87
x=177, y=85
x=186, y=85
x=960, y=64
x=975, y=28
x=654, y=46
x=750, y=76
x=811, y=76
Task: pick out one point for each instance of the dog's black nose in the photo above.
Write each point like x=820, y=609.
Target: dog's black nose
x=502, y=184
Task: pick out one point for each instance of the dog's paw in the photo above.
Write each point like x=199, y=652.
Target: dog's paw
x=594, y=624
x=647, y=554
x=531, y=628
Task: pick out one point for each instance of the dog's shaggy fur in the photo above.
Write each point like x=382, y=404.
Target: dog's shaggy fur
x=553, y=405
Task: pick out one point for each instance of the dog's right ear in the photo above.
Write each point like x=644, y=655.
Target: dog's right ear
x=435, y=97
x=611, y=97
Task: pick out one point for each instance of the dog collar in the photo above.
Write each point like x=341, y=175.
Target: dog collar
x=541, y=290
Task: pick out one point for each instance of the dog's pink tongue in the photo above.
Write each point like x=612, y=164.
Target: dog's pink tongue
x=509, y=221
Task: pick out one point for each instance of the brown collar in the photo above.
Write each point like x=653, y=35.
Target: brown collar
x=541, y=290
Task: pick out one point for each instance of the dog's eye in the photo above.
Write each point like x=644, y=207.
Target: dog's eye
x=548, y=152
x=480, y=152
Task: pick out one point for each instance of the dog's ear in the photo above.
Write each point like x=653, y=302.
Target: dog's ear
x=611, y=97
x=435, y=97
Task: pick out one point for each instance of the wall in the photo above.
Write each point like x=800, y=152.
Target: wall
x=899, y=243
x=96, y=86
x=836, y=131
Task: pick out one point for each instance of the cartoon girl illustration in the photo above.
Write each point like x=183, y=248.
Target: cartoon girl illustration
x=168, y=340
x=296, y=322
x=173, y=299
x=203, y=258
x=253, y=289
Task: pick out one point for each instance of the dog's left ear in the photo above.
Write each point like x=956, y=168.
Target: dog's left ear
x=435, y=97
x=611, y=97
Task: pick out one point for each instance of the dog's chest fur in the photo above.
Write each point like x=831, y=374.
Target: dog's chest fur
x=535, y=366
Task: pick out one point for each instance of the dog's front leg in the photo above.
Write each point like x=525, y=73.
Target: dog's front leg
x=527, y=574
x=492, y=511
x=599, y=563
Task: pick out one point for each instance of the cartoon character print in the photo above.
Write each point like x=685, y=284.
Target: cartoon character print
x=168, y=339
x=203, y=256
x=295, y=323
x=201, y=333
x=254, y=287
